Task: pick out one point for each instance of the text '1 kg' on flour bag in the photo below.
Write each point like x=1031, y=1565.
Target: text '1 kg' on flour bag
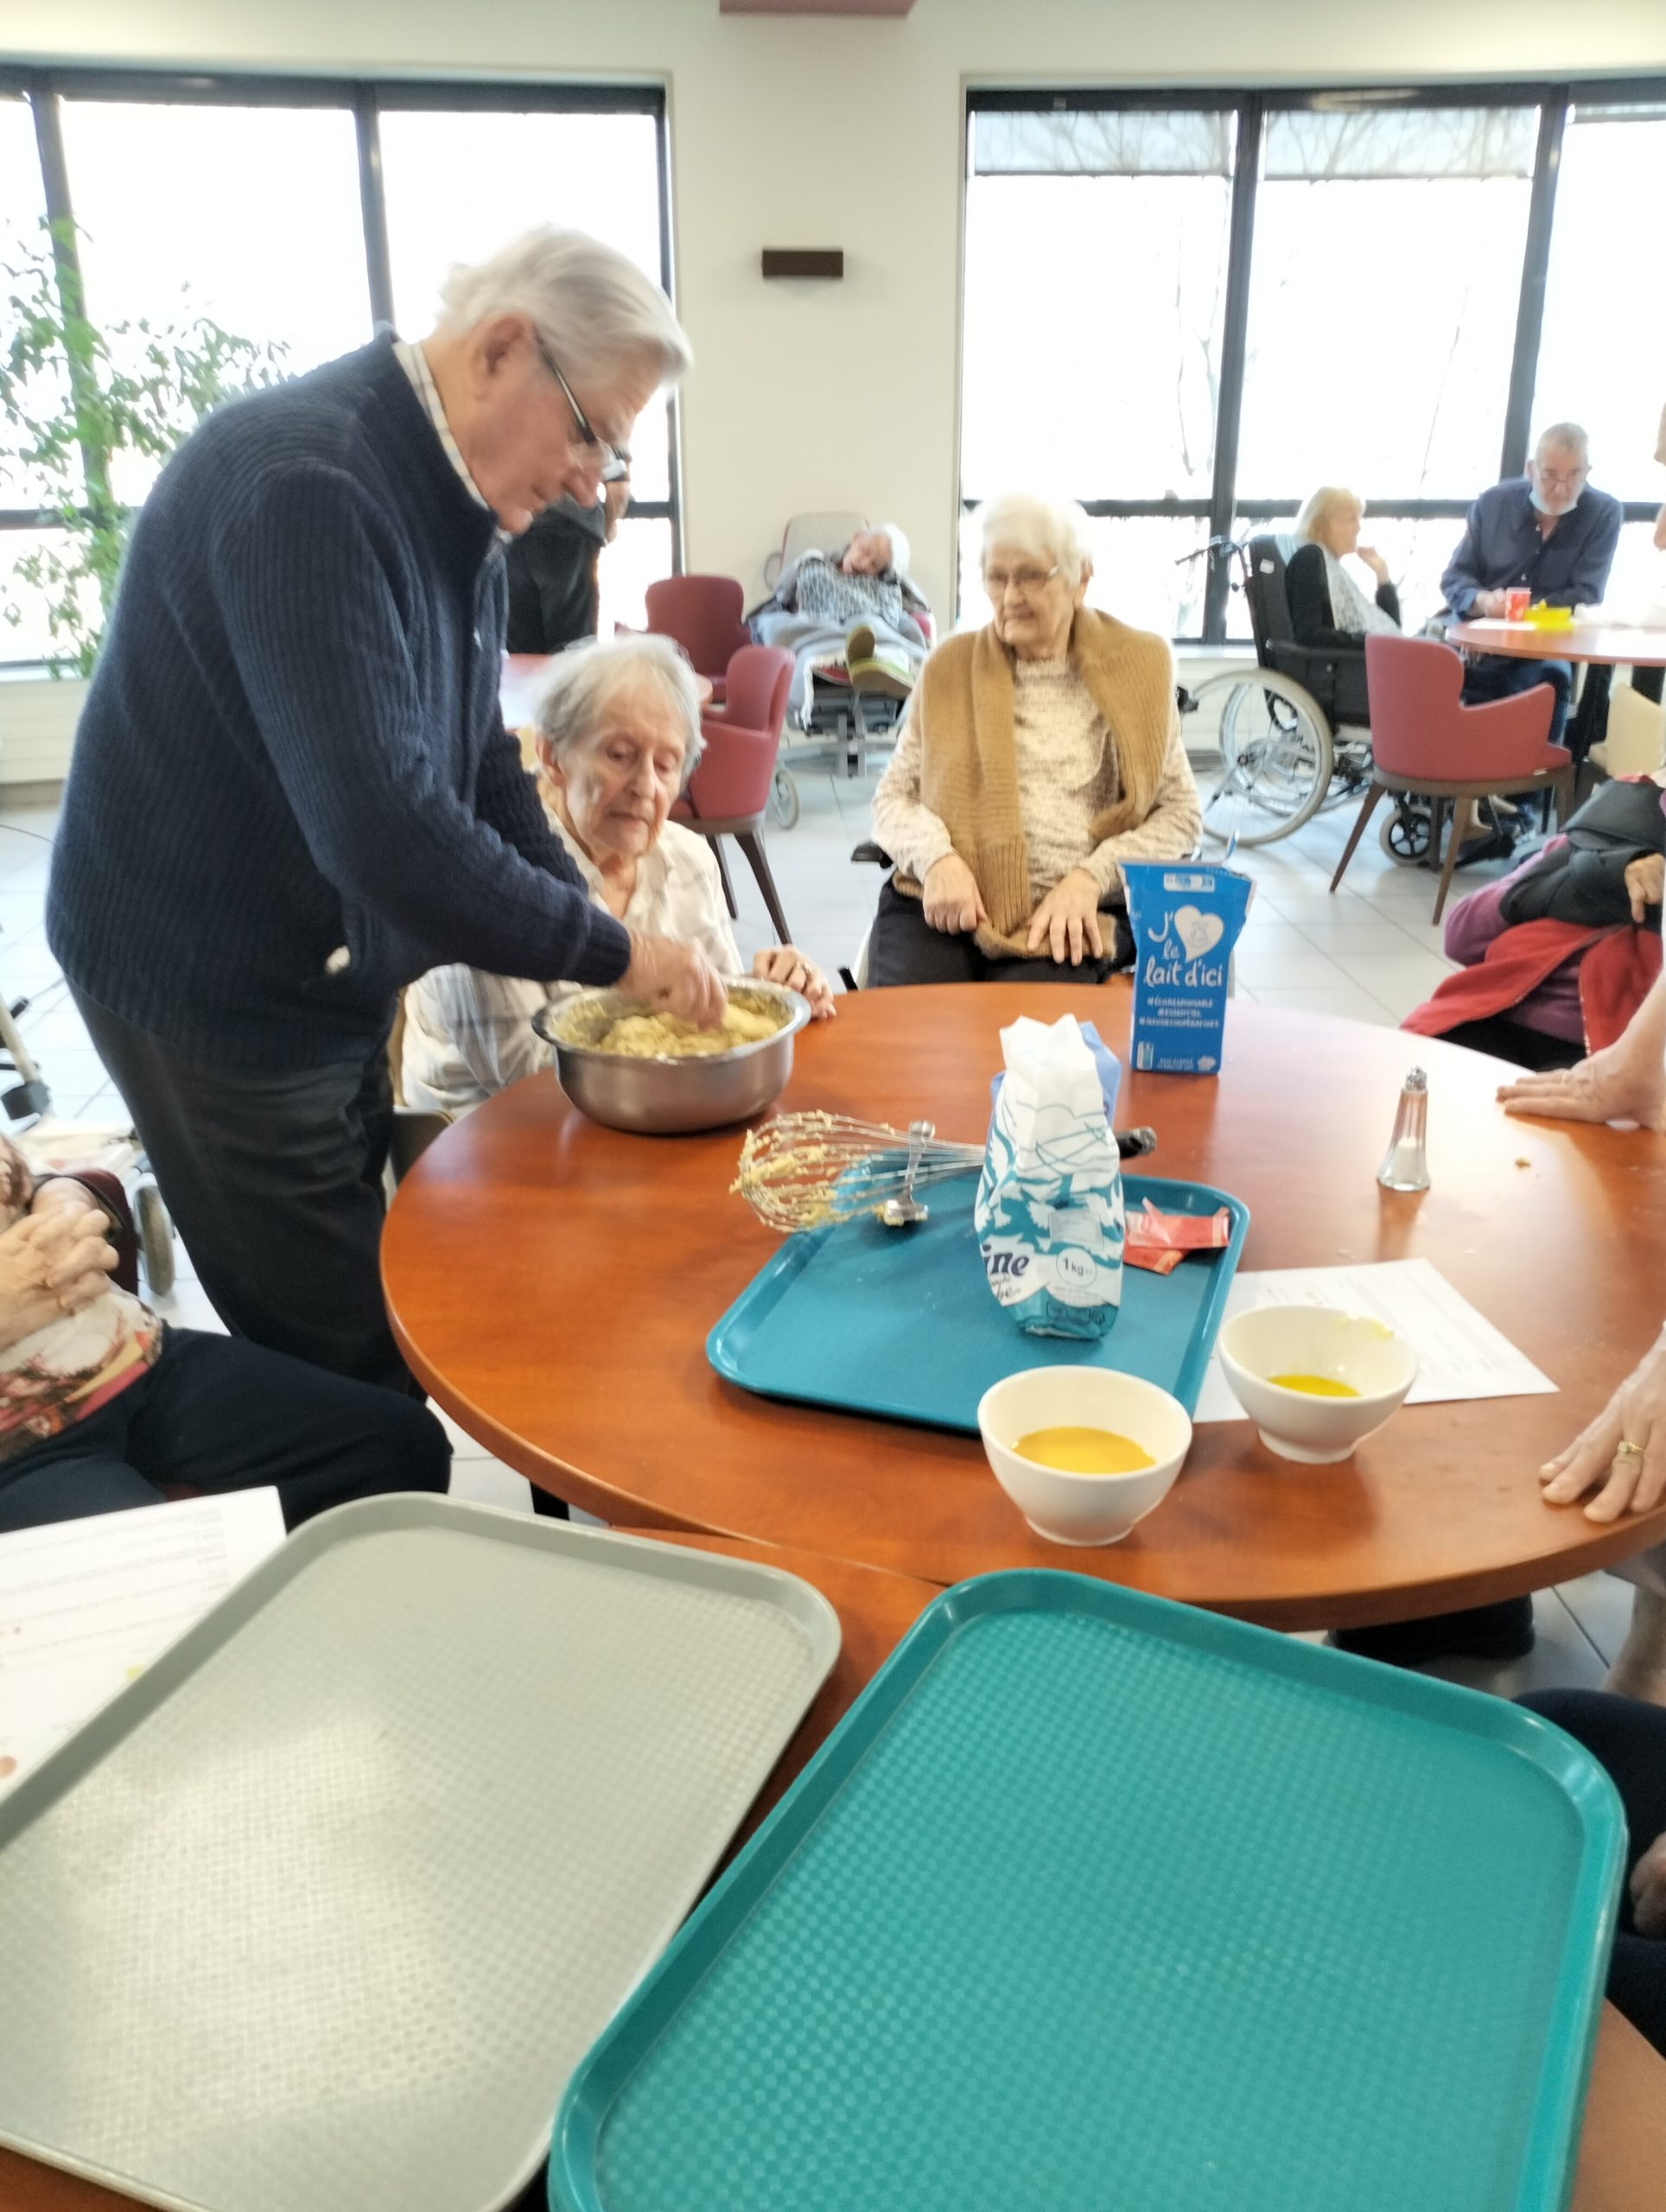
x=1185, y=918
x=1049, y=1213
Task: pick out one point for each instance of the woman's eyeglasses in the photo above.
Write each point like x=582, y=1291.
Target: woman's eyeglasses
x=615, y=459
x=997, y=582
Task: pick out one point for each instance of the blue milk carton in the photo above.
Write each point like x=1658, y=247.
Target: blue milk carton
x=1185, y=918
x=1049, y=1211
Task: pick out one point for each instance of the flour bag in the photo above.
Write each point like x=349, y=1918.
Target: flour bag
x=1049, y=1213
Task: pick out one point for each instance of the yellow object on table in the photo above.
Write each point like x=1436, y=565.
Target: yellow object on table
x=1551, y=618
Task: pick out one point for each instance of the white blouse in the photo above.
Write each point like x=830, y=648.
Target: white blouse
x=468, y=1033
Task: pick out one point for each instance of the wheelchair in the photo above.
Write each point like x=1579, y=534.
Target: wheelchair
x=1294, y=734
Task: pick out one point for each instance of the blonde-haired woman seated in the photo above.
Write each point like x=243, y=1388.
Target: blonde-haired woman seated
x=1037, y=753
x=1327, y=607
x=617, y=737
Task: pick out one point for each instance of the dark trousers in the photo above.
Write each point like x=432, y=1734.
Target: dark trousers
x=1497, y=676
x=1629, y=1738
x=904, y=948
x=220, y=1415
x=1513, y=1041
x=275, y=1182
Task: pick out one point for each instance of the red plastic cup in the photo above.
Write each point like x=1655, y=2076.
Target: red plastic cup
x=1516, y=603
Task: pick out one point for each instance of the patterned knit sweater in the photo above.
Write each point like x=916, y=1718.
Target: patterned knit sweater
x=292, y=790
x=1067, y=775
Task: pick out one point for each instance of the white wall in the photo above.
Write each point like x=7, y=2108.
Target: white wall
x=808, y=132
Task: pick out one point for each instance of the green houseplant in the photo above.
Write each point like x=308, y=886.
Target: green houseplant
x=74, y=396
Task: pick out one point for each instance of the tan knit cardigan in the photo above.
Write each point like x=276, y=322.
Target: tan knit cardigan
x=968, y=770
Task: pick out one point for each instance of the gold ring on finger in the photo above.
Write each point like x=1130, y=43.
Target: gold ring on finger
x=1625, y=1449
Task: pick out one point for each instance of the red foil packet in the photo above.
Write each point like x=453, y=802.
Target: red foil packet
x=1159, y=1241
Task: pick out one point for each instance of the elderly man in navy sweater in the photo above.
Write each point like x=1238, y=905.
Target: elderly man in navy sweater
x=1547, y=529
x=292, y=790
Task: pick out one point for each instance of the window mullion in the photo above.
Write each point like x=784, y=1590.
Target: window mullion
x=1535, y=267
x=373, y=206
x=1246, y=174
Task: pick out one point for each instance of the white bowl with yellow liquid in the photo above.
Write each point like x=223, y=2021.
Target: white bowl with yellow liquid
x=1316, y=1382
x=1083, y=1452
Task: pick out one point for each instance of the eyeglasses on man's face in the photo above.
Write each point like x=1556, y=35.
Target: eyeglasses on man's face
x=615, y=459
x=1026, y=583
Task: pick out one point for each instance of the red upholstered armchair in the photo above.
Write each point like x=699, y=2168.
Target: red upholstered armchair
x=703, y=616
x=728, y=792
x=1424, y=740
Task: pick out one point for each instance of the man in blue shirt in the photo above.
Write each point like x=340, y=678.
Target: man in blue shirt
x=1547, y=529
x=293, y=792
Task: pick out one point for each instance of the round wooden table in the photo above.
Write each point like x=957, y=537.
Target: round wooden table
x=552, y=1283
x=1604, y=643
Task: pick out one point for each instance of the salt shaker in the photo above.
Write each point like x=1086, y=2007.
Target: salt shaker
x=1406, y=1163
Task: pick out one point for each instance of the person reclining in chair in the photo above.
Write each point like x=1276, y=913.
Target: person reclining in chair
x=1037, y=754
x=857, y=604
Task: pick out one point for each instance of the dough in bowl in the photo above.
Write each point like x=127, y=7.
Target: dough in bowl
x=666, y=1036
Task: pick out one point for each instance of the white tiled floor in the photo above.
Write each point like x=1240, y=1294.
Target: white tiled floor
x=1370, y=953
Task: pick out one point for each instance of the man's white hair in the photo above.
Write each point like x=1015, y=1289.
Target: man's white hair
x=1049, y=530
x=594, y=309
x=1570, y=436
x=587, y=678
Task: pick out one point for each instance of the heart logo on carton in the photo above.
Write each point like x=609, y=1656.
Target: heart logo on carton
x=1198, y=933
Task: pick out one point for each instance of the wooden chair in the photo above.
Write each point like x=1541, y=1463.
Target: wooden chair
x=1420, y=731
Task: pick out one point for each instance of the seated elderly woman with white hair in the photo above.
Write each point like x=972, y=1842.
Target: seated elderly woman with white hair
x=617, y=737
x=1038, y=754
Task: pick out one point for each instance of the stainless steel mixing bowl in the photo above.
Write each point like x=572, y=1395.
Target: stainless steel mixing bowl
x=668, y=1096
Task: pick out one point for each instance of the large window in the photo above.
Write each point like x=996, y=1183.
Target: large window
x=452, y=180
x=295, y=216
x=1187, y=319
x=1602, y=358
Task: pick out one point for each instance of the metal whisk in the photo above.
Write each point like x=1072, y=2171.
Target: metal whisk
x=805, y=1171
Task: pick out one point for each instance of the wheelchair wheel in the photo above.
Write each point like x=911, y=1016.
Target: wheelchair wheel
x=1405, y=835
x=156, y=1228
x=1277, y=757
x=783, y=805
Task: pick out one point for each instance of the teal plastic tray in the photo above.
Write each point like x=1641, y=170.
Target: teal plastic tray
x=1097, y=1901
x=900, y=1322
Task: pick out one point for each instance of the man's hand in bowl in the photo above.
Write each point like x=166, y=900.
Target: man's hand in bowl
x=675, y=979
x=796, y=971
x=950, y=896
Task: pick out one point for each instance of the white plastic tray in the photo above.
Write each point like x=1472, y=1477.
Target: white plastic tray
x=319, y=1915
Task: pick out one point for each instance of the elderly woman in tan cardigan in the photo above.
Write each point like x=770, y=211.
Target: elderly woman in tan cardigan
x=1037, y=753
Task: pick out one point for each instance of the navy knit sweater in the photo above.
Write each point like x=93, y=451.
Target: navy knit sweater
x=293, y=743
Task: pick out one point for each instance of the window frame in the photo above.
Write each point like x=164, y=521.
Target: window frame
x=367, y=99
x=1251, y=106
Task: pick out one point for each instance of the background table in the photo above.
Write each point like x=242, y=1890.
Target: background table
x=1606, y=643
x=1602, y=645
x=552, y=1283
x=1624, y=2152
